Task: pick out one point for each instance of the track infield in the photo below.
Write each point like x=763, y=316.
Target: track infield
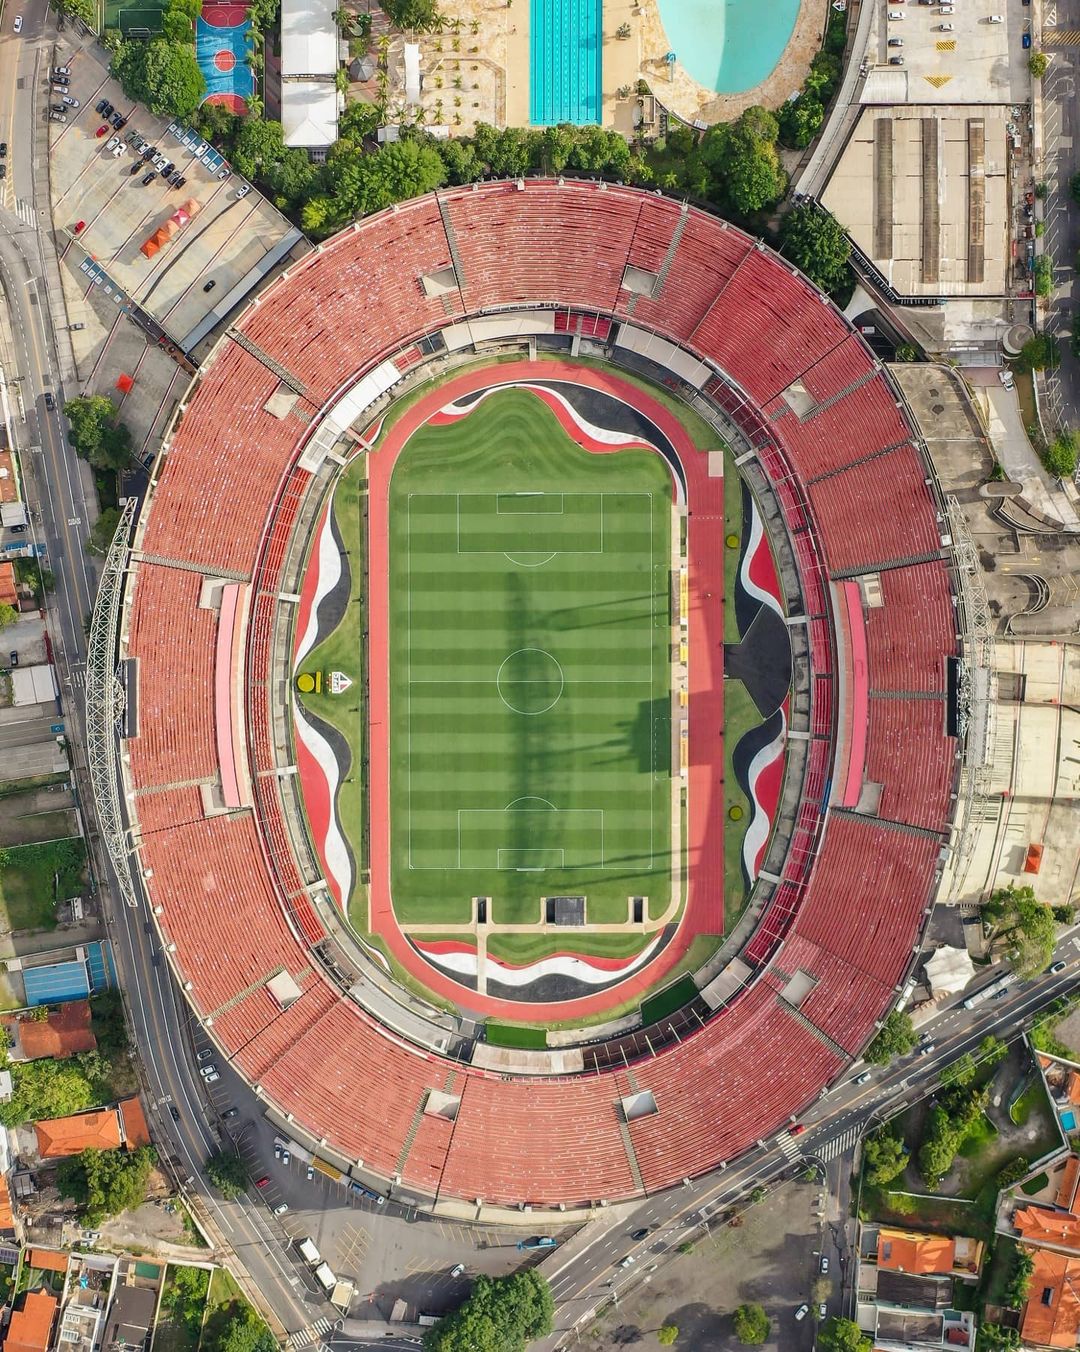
x=530, y=670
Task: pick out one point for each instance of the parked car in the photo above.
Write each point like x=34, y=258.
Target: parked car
x=277, y=1150
x=61, y=70
x=112, y=142
x=1058, y=966
x=205, y=1054
x=101, y=131
x=802, y=1311
x=80, y=226
x=211, y=1079
x=1006, y=378
x=281, y=1208
x=230, y=1113
x=310, y=1172
x=244, y=190
x=210, y=285
x=3, y=149
x=148, y=178
x=206, y=1071
x=76, y=327
x=824, y=1266
x=262, y=1182
x=17, y=25
x=457, y=1269
x=285, y=1156
x=101, y=105
x=823, y=1311
x=861, y=1079
x=13, y=658
x=71, y=103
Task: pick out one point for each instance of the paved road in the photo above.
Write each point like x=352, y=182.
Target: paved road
x=586, y=1275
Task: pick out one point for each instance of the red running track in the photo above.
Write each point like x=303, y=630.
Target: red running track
x=704, y=913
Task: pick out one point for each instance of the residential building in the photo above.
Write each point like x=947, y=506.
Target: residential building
x=102, y=1129
x=30, y=1329
x=1052, y=1313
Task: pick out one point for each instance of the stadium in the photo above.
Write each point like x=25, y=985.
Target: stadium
x=535, y=725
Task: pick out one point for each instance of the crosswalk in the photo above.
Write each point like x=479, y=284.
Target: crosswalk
x=786, y=1142
x=839, y=1145
x=313, y=1333
x=25, y=211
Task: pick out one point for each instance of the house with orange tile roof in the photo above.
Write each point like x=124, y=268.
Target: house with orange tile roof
x=65, y=1032
x=9, y=591
x=30, y=1328
x=102, y=1129
x=1043, y=1225
x=1052, y=1313
x=928, y=1255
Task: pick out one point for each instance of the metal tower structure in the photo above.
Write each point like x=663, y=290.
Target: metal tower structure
x=976, y=704
x=105, y=703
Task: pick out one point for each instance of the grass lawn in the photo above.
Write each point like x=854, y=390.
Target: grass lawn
x=1034, y=1185
x=224, y=1303
x=34, y=877
x=530, y=669
x=982, y=1134
x=1032, y=1098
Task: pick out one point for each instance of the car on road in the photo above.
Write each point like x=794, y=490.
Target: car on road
x=281, y=1208
x=823, y=1311
x=457, y=1269
x=926, y=1048
x=824, y=1267
x=538, y=1242
x=285, y=1156
x=174, y=1112
x=797, y=1129
x=50, y=402
x=262, y=1182
x=310, y=1172
x=17, y=25
x=205, y=1071
x=1058, y=966
x=862, y=1079
x=627, y=1261
x=802, y=1311
x=641, y=1234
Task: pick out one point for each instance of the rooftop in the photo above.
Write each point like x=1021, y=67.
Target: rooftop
x=1052, y=1314
x=64, y=1033
x=906, y=1251
x=31, y=1326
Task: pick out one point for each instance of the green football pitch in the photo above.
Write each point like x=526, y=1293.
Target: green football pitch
x=530, y=670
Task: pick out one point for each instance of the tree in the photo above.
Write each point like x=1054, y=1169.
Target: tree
x=842, y=1335
x=1060, y=459
x=107, y=1018
x=1019, y=923
x=228, y=1173
x=907, y=352
x=105, y=1182
x=895, y=1037
x=161, y=73
x=814, y=242
x=991, y=1050
x=88, y=417
x=503, y=1314
x=365, y=183
x=751, y=1325
x=961, y=1071
x=1038, y=353
x=8, y=614
x=46, y=1088
x=1037, y=64
x=104, y=529
x=1019, y=1283
x=743, y=163
x=421, y=15
x=666, y=1334
x=800, y=120
x=996, y=1338
x=81, y=10
x=247, y=1333
x=1044, y=275
x=884, y=1157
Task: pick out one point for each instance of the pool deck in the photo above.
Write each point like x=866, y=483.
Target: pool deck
x=494, y=62
x=692, y=102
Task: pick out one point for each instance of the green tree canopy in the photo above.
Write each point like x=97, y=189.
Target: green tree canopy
x=800, y=120
x=46, y=1088
x=667, y=1334
x=1038, y=353
x=961, y=1071
x=107, y=1015
x=842, y=1335
x=503, y=1314
x=814, y=242
x=751, y=1325
x=365, y=183
x=82, y=10
x=1020, y=923
x=102, y=532
x=8, y=614
x=742, y=159
x=161, y=73
x=1060, y=459
x=246, y=1332
x=1019, y=1283
x=105, y=1182
x=996, y=1338
x=228, y=1173
x=96, y=434
x=1037, y=64
x=421, y=15
x=895, y=1037
x=884, y=1158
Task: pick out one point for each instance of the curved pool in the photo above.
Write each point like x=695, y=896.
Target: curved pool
x=728, y=45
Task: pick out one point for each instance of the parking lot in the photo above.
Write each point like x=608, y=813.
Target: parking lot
x=109, y=212
x=951, y=53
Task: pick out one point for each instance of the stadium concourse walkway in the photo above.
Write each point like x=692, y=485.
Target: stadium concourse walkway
x=821, y=424
x=704, y=913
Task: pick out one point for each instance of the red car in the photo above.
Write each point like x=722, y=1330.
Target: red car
x=80, y=226
x=101, y=131
x=262, y=1182
x=797, y=1129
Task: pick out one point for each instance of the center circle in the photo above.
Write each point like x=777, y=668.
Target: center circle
x=530, y=681
x=224, y=60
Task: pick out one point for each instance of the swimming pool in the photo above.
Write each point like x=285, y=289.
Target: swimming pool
x=728, y=45
x=1068, y=1120
x=564, y=61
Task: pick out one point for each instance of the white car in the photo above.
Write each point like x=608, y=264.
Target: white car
x=281, y=1208
x=17, y=26
x=1006, y=378
x=71, y=103
x=802, y=1311
x=944, y=28
x=897, y=14
x=243, y=192
x=207, y=1071
x=207, y=1079
x=112, y=142
x=121, y=149
x=996, y=18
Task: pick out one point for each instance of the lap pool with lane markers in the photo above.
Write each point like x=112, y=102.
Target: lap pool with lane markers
x=565, y=61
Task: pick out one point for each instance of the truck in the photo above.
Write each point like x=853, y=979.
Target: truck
x=325, y=1277
x=309, y=1253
